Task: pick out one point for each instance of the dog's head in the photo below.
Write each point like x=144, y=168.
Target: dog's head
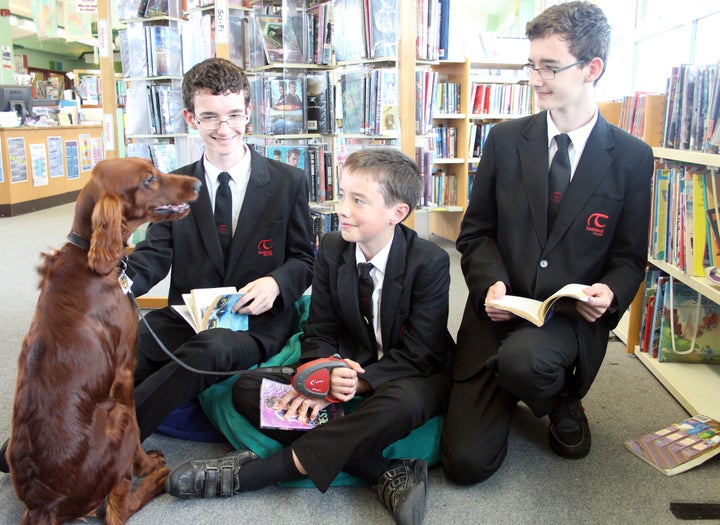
x=121, y=195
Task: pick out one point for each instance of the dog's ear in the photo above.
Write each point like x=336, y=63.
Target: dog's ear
x=106, y=242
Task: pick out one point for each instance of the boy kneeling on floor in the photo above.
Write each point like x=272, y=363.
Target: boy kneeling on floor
x=397, y=351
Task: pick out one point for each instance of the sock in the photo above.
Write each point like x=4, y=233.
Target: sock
x=369, y=469
x=257, y=474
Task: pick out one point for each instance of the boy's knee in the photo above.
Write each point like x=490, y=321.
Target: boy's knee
x=470, y=464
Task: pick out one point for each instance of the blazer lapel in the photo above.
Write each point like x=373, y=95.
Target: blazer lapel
x=392, y=287
x=255, y=201
x=205, y=220
x=589, y=173
x=532, y=152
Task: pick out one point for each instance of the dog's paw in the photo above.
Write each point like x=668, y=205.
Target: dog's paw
x=149, y=461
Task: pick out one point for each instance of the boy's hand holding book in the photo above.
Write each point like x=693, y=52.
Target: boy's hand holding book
x=502, y=307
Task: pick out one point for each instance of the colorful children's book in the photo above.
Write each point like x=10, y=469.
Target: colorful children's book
x=271, y=416
x=680, y=446
x=690, y=326
x=207, y=308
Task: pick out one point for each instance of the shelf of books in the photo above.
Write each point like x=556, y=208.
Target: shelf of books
x=442, y=156
x=678, y=312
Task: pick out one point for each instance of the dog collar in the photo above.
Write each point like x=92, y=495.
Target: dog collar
x=78, y=241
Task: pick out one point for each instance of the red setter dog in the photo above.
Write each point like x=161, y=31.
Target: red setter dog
x=75, y=444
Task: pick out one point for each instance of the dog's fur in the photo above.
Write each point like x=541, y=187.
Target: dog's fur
x=75, y=445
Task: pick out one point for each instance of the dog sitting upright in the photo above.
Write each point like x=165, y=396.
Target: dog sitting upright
x=75, y=443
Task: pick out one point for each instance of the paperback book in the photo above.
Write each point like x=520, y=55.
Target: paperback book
x=680, y=446
x=538, y=312
x=207, y=308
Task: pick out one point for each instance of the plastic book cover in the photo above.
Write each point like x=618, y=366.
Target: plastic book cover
x=271, y=416
x=690, y=326
x=286, y=96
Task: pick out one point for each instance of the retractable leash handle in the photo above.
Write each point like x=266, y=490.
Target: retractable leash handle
x=313, y=379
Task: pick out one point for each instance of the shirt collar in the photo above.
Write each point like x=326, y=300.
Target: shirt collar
x=578, y=136
x=238, y=173
x=380, y=259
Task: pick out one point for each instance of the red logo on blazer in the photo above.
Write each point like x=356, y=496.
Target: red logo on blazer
x=596, y=223
x=556, y=197
x=265, y=248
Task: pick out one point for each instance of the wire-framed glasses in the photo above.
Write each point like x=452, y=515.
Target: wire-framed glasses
x=213, y=122
x=548, y=73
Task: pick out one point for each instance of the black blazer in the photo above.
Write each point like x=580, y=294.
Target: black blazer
x=272, y=238
x=600, y=234
x=413, y=309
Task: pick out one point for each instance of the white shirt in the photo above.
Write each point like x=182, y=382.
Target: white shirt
x=377, y=273
x=578, y=139
x=239, y=178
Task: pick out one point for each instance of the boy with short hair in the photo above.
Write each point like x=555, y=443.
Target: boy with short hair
x=267, y=252
x=397, y=352
x=523, y=234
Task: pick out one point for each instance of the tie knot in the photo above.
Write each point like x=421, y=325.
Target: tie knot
x=563, y=141
x=365, y=269
x=223, y=178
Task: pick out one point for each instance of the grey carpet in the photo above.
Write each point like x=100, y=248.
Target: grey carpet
x=533, y=487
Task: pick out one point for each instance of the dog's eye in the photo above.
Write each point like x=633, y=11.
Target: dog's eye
x=150, y=180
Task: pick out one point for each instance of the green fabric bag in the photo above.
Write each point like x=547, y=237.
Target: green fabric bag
x=216, y=401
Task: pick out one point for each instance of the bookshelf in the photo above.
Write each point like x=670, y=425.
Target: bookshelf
x=695, y=386
x=505, y=95
x=445, y=216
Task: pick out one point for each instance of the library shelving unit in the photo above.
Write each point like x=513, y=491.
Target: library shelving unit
x=695, y=386
x=445, y=217
x=505, y=94
x=151, y=51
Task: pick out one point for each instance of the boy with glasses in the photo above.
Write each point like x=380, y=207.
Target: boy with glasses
x=265, y=223
x=533, y=226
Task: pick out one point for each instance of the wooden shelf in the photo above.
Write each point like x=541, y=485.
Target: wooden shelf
x=695, y=386
x=711, y=160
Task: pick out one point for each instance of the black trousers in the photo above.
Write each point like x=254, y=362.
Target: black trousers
x=389, y=414
x=161, y=384
x=532, y=365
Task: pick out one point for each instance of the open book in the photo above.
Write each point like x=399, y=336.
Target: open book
x=680, y=446
x=535, y=311
x=212, y=308
x=271, y=392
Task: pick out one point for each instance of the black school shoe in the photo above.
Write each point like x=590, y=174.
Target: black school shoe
x=208, y=478
x=4, y=467
x=569, y=434
x=402, y=489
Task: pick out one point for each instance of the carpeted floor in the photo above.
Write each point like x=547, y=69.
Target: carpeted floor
x=534, y=486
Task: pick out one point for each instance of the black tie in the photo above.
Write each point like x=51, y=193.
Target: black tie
x=223, y=212
x=559, y=177
x=365, y=292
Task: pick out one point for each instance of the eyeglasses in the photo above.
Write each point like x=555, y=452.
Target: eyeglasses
x=548, y=73
x=213, y=123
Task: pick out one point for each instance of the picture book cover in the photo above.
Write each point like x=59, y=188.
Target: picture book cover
x=287, y=112
x=292, y=155
x=680, y=446
x=271, y=392
x=690, y=326
x=383, y=17
x=319, y=109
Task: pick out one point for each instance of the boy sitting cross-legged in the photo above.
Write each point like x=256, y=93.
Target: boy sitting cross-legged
x=397, y=352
